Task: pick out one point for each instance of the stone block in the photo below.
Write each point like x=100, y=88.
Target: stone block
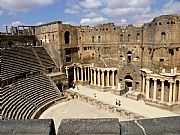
x=28, y=127
x=104, y=126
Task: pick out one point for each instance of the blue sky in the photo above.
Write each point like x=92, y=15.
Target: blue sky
x=84, y=12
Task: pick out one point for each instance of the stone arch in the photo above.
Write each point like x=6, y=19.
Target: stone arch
x=138, y=37
x=129, y=37
x=163, y=36
x=92, y=39
x=67, y=37
x=128, y=82
x=121, y=38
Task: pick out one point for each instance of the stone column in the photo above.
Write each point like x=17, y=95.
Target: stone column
x=78, y=73
x=113, y=77
x=91, y=76
x=85, y=73
x=174, y=92
x=147, y=87
x=155, y=90
x=74, y=73
x=88, y=77
x=170, y=92
x=162, y=90
x=143, y=85
x=67, y=71
x=99, y=78
x=94, y=76
x=108, y=78
x=102, y=78
x=82, y=74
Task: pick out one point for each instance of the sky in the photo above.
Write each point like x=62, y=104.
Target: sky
x=84, y=12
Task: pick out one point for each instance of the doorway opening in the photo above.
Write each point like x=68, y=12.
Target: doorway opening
x=128, y=83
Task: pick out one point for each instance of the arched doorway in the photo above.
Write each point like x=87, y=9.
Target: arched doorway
x=128, y=82
x=66, y=37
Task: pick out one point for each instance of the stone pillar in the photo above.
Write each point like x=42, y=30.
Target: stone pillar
x=91, y=76
x=113, y=77
x=143, y=85
x=94, y=76
x=74, y=74
x=162, y=90
x=155, y=90
x=88, y=77
x=99, y=78
x=67, y=71
x=170, y=92
x=82, y=75
x=174, y=92
x=108, y=78
x=78, y=73
x=85, y=74
x=147, y=87
x=102, y=78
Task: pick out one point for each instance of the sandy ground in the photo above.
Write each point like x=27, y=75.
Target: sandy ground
x=75, y=109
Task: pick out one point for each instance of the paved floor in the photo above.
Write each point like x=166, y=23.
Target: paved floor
x=127, y=104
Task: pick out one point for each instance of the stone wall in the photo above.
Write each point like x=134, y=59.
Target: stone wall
x=103, y=126
x=60, y=41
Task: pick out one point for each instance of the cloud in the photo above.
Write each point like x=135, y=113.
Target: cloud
x=124, y=8
x=171, y=7
x=93, y=21
x=39, y=23
x=74, y=9
x=16, y=23
x=71, y=23
x=23, y=5
x=113, y=4
x=124, y=12
x=1, y=12
x=91, y=3
x=92, y=15
x=123, y=22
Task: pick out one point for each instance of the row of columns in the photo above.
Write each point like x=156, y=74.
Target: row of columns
x=84, y=76
x=172, y=89
x=88, y=73
x=99, y=77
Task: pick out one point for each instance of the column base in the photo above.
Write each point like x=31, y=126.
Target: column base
x=113, y=87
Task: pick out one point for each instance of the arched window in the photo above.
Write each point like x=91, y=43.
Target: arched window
x=79, y=39
x=66, y=37
x=129, y=37
x=93, y=39
x=138, y=37
x=163, y=36
x=99, y=39
x=129, y=56
x=121, y=38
